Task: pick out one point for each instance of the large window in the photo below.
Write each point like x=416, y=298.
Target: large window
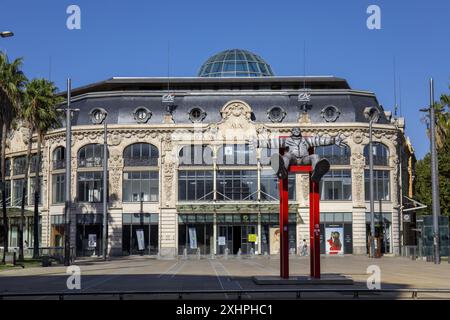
x=236, y=154
x=334, y=154
x=140, y=155
x=269, y=186
x=237, y=185
x=19, y=165
x=8, y=192
x=33, y=164
x=195, y=185
x=32, y=189
x=196, y=155
x=90, y=186
x=58, y=188
x=17, y=192
x=59, y=156
x=336, y=185
x=91, y=156
x=7, y=167
x=140, y=186
x=381, y=185
x=380, y=154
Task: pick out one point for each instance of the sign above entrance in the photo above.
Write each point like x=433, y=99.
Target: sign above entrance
x=252, y=238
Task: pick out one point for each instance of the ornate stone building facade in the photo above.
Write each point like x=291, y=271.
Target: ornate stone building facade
x=190, y=176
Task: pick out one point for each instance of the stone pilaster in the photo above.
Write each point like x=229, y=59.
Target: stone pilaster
x=169, y=218
x=115, y=232
x=358, y=198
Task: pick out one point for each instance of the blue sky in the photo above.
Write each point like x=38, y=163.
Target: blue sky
x=130, y=38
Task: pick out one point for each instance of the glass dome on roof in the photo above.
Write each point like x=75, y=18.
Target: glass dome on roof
x=235, y=63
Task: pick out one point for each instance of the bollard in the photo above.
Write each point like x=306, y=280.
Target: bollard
x=185, y=256
x=239, y=253
x=198, y=254
x=226, y=254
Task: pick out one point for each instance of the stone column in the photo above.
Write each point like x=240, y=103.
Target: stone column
x=169, y=217
x=359, y=206
x=302, y=196
x=394, y=176
x=115, y=170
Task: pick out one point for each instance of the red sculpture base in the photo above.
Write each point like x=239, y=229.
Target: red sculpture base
x=314, y=224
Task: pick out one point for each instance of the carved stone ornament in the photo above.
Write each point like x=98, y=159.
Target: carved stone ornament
x=358, y=136
x=236, y=109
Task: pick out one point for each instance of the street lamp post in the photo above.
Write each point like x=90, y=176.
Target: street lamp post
x=372, y=114
x=434, y=177
x=105, y=189
x=68, y=175
x=68, y=156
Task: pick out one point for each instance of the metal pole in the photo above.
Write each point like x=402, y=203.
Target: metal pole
x=372, y=209
x=434, y=178
x=68, y=176
x=105, y=191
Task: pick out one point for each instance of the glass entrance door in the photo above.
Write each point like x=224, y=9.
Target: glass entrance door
x=225, y=239
x=246, y=245
x=235, y=237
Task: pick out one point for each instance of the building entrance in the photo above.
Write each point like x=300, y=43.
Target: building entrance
x=236, y=237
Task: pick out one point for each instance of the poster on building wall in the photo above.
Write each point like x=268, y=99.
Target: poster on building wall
x=140, y=239
x=193, y=238
x=333, y=239
x=92, y=241
x=274, y=237
x=222, y=241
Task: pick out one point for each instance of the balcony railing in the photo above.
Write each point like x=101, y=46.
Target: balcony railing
x=133, y=162
x=90, y=162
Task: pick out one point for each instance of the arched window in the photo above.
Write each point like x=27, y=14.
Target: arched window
x=142, y=185
x=140, y=155
x=195, y=155
x=380, y=154
x=236, y=154
x=58, y=158
x=334, y=154
x=90, y=155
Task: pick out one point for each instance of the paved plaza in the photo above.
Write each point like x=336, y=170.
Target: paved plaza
x=149, y=274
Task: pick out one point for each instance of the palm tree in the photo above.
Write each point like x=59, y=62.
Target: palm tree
x=42, y=115
x=25, y=112
x=12, y=81
x=442, y=122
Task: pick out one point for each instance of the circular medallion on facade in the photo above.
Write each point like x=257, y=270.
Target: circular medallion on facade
x=142, y=114
x=330, y=113
x=276, y=114
x=98, y=115
x=197, y=114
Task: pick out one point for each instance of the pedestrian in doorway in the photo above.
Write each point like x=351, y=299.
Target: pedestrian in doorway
x=304, y=251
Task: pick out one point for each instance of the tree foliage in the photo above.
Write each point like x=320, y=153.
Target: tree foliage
x=422, y=186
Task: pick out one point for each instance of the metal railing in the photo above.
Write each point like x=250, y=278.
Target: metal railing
x=234, y=294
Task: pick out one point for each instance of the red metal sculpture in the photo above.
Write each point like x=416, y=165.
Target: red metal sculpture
x=296, y=155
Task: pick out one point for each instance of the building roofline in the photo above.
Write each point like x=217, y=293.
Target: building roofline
x=120, y=83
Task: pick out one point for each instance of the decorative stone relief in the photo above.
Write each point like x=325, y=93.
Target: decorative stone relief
x=358, y=136
x=168, y=162
x=358, y=165
x=236, y=115
x=114, y=139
